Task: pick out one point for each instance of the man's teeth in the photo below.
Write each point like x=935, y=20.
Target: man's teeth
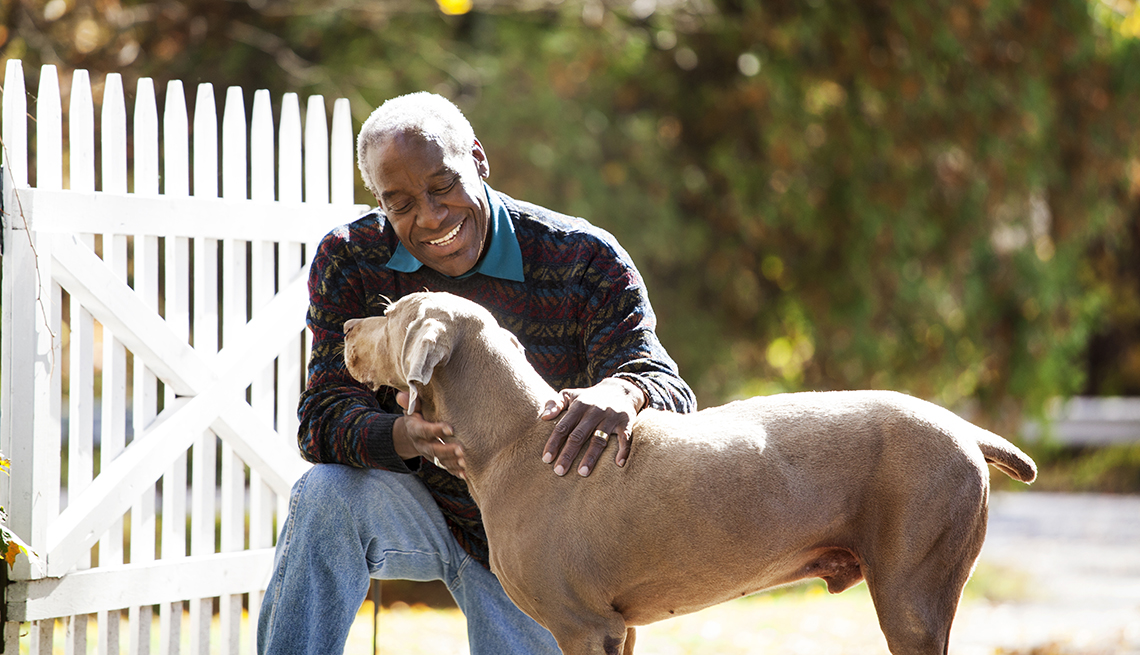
x=447, y=237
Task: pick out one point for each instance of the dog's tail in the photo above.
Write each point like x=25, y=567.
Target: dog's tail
x=1008, y=458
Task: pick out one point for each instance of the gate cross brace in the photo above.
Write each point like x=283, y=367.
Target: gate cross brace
x=211, y=390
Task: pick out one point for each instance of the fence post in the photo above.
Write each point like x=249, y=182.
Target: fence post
x=176, y=178
x=81, y=390
x=17, y=339
x=113, y=429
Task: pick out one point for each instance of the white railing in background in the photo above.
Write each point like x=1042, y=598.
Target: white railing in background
x=1088, y=421
x=166, y=325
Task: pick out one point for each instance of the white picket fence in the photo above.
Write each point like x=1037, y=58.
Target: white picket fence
x=167, y=326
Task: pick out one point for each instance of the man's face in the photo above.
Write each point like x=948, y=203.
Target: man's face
x=434, y=200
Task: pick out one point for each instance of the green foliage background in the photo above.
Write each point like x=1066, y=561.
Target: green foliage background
x=936, y=197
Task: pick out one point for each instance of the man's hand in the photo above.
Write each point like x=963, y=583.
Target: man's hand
x=593, y=416
x=414, y=436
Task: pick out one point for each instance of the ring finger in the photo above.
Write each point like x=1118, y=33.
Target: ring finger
x=597, y=444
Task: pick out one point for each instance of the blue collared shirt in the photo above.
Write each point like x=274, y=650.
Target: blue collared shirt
x=502, y=259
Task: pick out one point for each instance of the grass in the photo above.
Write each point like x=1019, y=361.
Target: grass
x=800, y=620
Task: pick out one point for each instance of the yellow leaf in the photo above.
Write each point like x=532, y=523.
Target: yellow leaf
x=10, y=555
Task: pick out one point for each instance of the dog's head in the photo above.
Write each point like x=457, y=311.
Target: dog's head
x=402, y=348
x=416, y=334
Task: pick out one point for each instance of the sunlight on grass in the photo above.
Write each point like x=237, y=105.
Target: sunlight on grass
x=409, y=630
x=998, y=584
x=803, y=620
x=799, y=620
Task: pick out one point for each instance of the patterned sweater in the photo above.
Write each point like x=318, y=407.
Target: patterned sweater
x=581, y=313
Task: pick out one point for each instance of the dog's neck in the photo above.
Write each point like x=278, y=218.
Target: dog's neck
x=492, y=397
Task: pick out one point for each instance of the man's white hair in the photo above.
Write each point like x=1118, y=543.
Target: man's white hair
x=428, y=115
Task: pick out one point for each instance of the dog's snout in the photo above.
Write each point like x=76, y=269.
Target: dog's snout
x=351, y=323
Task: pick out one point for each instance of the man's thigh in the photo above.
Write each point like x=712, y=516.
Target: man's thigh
x=395, y=520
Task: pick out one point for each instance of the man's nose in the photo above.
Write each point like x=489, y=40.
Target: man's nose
x=433, y=213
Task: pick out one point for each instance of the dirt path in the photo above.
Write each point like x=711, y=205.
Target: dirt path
x=1069, y=566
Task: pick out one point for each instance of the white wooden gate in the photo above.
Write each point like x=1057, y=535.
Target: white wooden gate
x=152, y=354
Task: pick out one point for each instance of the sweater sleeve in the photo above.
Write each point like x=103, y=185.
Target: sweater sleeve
x=621, y=337
x=341, y=421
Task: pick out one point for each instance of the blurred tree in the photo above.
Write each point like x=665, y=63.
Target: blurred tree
x=937, y=197
x=900, y=195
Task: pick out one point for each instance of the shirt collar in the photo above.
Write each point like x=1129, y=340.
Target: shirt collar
x=502, y=259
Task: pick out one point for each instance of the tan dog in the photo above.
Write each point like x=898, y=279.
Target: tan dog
x=711, y=506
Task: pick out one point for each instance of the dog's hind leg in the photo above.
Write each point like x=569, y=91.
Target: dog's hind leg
x=916, y=597
x=914, y=620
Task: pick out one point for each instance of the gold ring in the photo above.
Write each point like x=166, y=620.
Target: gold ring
x=604, y=436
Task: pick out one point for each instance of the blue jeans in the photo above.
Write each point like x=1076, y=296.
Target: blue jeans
x=347, y=525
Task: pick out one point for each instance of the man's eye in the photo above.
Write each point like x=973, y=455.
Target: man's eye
x=444, y=189
x=400, y=209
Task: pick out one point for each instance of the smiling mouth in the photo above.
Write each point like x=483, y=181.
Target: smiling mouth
x=449, y=237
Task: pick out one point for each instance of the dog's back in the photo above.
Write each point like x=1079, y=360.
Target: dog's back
x=843, y=425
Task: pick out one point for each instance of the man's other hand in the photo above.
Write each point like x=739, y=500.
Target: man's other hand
x=414, y=436
x=590, y=418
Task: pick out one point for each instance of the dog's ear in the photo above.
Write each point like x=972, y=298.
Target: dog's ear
x=426, y=345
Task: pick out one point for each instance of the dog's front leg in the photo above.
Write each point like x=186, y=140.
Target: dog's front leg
x=591, y=634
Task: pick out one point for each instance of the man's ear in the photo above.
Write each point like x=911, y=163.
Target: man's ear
x=426, y=345
x=482, y=165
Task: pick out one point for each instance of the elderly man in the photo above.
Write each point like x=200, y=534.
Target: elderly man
x=386, y=498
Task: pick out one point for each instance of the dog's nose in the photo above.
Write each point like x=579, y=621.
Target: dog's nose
x=350, y=323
